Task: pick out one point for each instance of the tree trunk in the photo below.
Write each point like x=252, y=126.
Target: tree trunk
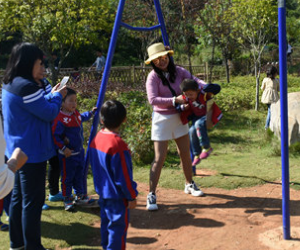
x=257, y=86
x=211, y=66
x=189, y=58
x=53, y=74
x=227, y=70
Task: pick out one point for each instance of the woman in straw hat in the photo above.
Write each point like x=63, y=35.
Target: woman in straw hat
x=163, y=91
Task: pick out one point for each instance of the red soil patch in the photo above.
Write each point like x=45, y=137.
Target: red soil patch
x=240, y=219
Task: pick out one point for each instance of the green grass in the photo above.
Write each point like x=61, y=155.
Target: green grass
x=61, y=229
x=244, y=155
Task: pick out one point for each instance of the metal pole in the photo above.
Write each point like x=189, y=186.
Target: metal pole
x=284, y=119
x=104, y=81
x=162, y=23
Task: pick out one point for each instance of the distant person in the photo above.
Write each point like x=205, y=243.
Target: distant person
x=75, y=74
x=99, y=64
x=27, y=115
x=68, y=124
x=163, y=92
x=112, y=169
x=55, y=61
x=270, y=88
x=289, y=50
x=195, y=110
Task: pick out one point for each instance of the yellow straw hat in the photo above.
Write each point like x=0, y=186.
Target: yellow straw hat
x=156, y=50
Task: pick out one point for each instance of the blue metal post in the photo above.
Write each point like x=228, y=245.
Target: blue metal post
x=104, y=81
x=162, y=23
x=111, y=50
x=284, y=118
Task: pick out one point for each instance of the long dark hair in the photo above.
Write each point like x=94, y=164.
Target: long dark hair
x=21, y=61
x=271, y=71
x=171, y=69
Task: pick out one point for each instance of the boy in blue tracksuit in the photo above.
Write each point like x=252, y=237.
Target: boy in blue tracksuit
x=67, y=126
x=112, y=169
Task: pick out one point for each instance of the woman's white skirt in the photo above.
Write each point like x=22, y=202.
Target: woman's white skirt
x=167, y=127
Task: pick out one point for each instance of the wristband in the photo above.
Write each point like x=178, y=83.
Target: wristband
x=173, y=101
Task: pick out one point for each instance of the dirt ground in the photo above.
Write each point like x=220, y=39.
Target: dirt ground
x=241, y=219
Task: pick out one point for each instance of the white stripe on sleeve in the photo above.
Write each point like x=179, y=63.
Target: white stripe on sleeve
x=33, y=97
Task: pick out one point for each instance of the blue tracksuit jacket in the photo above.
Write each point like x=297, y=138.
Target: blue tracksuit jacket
x=27, y=114
x=112, y=167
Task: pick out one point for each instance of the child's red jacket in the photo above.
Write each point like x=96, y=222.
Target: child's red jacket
x=198, y=109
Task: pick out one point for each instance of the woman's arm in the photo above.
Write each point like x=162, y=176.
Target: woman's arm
x=155, y=90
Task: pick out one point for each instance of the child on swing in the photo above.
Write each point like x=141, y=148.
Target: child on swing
x=203, y=112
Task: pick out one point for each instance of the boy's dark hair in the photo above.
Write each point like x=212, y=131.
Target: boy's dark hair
x=21, y=61
x=189, y=84
x=271, y=71
x=70, y=92
x=112, y=114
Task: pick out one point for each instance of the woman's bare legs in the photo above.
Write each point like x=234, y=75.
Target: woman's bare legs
x=183, y=147
x=160, y=153
x=160, y=150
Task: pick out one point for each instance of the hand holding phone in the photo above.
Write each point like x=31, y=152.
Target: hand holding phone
x=64, y=81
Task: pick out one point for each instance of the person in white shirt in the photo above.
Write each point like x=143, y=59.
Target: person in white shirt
x=7, y=171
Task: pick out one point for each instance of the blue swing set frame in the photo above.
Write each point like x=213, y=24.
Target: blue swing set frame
x=283, y=90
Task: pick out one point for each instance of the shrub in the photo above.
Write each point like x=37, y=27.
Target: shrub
x=137, y=129
x=239, y=94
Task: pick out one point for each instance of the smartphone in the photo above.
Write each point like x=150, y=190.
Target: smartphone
x=64, y=81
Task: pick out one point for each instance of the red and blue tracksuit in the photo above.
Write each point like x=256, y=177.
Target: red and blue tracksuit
x=72, y=168
x=112, y=169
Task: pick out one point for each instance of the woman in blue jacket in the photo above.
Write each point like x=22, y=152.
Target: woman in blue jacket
x=27, y=115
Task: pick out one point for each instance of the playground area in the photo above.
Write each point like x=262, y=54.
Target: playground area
x=240, y=219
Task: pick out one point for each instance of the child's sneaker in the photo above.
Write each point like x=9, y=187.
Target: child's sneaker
x=45, y=207
x=85, y=200
x=191, y=188
x=57, y=197
x=196, y=160
x=151, y=202
x=205, y=153
x=3, y=227
x=69, y=204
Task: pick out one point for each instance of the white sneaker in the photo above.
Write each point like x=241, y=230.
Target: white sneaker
x=151, y=202
x=18, y=248
x=191, y=188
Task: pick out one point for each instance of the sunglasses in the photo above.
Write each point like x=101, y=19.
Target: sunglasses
x=157, y=60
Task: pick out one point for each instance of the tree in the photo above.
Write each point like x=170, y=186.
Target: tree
x=178, y=16
x=213, y=28
x=57, y=25
x=293, y=20
x=254, y=23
